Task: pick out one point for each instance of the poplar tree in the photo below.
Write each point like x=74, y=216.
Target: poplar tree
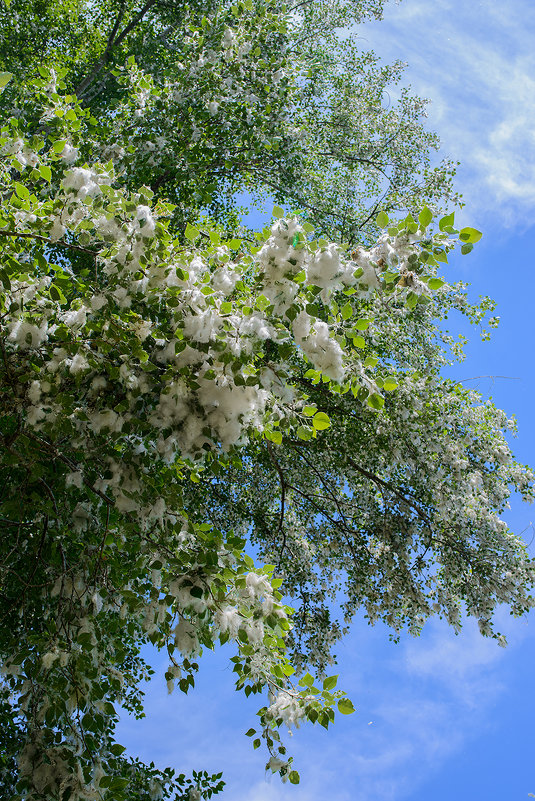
x=179, y=392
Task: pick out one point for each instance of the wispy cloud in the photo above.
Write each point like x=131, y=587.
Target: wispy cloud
x=476, y=62
x=418, y=704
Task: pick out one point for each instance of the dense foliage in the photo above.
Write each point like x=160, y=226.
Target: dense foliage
x=178, y=391
x=238, y=97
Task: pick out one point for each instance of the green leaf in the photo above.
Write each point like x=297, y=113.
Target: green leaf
x=278, y=212
x=470, y=235
x=58, y=146
x=293, y=776
x=262, y=302
x=22, y=191
x=304, y=433
x=191, y=232
x=330, y=682
x=425, y=217
x=4, y=277
x=306, y=681
x=435, y=283
x=410, y=223
x=119, y=783
x=5, y=78
x=381, y=220
x=321, y=421
x=345, y=706
x=56, y=294
x=447, y=221
x=359, y=342
x=117, y=749
x=390, y=383
x=362, y=325
x=310, y=411
x=376, y=401
x=347, y=311
x=467, y=248
x=45, y=172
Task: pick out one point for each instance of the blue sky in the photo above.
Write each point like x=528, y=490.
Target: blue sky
x=440, y=716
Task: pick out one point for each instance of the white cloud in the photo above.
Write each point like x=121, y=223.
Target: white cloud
x=261, y=791
x=476, y=62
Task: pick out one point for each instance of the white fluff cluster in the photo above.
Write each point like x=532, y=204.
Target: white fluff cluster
x=288, y=708
x=325, y=268
x=84, y=182
x=28, y=335
x=229, y=620
x=319, y=346
x=22, y=153
x=69, y=154
x=390, y=252
x=144, y=222
x=281, y=261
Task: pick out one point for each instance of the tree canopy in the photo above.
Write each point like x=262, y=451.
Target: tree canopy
x=260, y=97
x=184, y=398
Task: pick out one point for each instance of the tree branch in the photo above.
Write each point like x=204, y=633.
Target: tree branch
x=48, y=241
x=113, y=42
x=387, y=485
